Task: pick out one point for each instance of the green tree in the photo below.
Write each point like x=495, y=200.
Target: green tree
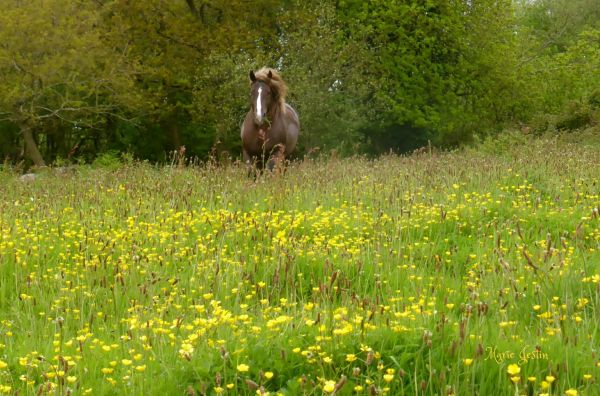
x=184, y=52
x=558, y=48
x=415, y=62
x=57, y=75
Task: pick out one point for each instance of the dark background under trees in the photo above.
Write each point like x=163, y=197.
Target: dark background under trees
x=82, y=79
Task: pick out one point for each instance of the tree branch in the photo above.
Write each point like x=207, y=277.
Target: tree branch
x=192, y=7
x=160, y=32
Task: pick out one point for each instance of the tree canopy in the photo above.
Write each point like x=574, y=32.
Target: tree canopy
x=80, y=79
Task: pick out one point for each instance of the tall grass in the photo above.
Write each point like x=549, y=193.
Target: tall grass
x=470, y=272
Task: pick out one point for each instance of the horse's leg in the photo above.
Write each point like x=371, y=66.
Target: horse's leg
x=276, y=161
x=271, y=164
x=250, y=163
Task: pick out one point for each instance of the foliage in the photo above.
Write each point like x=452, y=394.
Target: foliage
x=83, y=78
x=48, y=82
x=328, y=81
x=108, y=160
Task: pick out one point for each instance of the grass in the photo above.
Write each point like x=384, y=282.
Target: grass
x=470, y=272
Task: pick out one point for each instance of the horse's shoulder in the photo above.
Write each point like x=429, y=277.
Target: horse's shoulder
x=290, y=109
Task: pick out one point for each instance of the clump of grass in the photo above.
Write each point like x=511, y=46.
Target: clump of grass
x=451, y=273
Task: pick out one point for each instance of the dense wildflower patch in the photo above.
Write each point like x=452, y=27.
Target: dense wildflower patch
x=450, y=274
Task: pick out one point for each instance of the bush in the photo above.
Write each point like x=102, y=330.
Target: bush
x=576, y=116
x=109, y=160
x=594, y=99
x=502, y=143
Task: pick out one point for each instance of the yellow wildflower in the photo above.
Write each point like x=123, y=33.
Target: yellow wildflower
x=513, y=369
x=329, y=386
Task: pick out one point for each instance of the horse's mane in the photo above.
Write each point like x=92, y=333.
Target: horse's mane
x=276, y=84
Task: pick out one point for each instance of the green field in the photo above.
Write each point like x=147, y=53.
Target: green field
x=469, y=272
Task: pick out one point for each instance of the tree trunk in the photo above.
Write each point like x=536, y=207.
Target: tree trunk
x=31, y=149
x=173, y=132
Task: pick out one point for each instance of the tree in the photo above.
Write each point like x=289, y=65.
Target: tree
x=184, y=52
x=56, y=71
x=558, y=47
x=326, y=71
x=415, y=61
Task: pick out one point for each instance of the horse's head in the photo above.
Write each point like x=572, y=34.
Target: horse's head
x=261, y=98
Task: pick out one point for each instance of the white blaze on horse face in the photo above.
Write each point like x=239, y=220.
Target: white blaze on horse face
x=259, y=106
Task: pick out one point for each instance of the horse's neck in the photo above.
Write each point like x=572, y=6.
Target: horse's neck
x=273, y=112
x=276, y=110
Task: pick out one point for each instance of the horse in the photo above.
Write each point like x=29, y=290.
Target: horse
x=271, y=127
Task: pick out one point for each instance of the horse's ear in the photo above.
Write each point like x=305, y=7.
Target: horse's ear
x=270, y=75
x=252, y=76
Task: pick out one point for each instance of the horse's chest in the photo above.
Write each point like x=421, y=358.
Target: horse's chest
x=267, y=138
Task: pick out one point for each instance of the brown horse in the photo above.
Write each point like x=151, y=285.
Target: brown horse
x=271, y=127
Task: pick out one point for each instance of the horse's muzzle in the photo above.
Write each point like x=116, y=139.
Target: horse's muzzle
x=261, y=120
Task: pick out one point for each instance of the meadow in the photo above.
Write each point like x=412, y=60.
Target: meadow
x=457, y=273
